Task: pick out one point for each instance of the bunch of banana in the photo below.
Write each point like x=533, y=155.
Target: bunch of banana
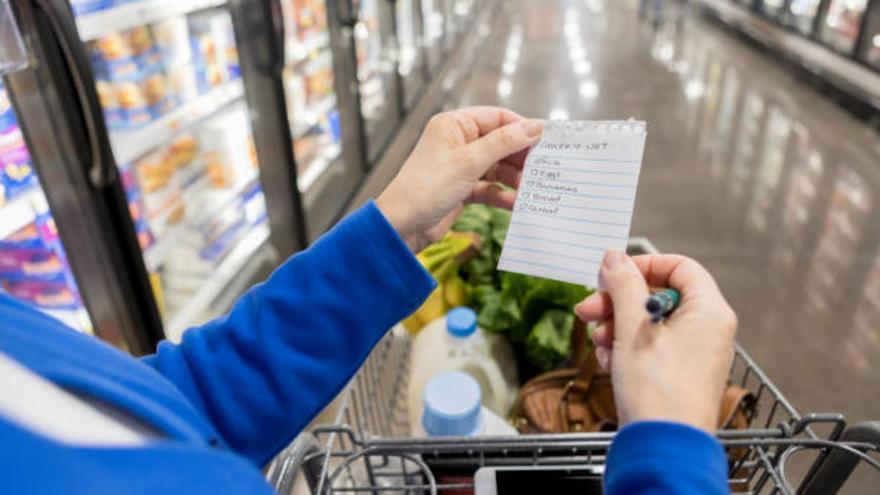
x=443, y=259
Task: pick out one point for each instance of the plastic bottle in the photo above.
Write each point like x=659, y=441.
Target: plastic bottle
x=452, y=407
x=454, y=343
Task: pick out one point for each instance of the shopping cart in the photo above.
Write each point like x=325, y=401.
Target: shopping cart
x=365, y=448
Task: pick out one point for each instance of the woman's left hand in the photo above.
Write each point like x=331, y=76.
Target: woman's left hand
x=460, y=157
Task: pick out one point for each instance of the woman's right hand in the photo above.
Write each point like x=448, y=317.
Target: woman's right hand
x=675, y=370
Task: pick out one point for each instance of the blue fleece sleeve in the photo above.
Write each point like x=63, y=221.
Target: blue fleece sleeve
x=289, y=345
x=660, y=458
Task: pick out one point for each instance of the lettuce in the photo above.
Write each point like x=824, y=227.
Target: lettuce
x=534, y=313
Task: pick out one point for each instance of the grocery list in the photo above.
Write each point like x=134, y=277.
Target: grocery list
x=575, y=200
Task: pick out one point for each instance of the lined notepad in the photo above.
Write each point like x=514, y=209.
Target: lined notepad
x=575, y=200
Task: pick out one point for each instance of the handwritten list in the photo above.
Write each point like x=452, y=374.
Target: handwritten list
x=575, y=200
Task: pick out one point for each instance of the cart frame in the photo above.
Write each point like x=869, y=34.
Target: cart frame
x=366, y=449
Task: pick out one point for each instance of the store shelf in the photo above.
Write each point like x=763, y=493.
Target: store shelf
x=155, y=255
x=129, y=145
x=300, y=50
x=250, y=248
x=316, y=169
x=308, y=117
x=103, y=22
x=18, y=212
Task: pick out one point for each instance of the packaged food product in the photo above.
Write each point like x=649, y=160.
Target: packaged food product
x=143, y=48
x=229, y=151
x=206, y=60
x=82, y=7
x=184, y=82
x=7, y=115
x=133, y=106
x=113, y=115
x=455, y=343
x=45, y=294
x=173, y=40
x=16, y=171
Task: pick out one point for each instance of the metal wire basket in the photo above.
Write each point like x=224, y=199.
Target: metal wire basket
x=365, y=449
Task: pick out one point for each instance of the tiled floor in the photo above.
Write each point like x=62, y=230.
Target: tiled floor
x=747, y=168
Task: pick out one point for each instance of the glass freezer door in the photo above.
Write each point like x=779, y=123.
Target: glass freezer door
x=169, y=81
x=34, y=267
x=326, y=180
x=410, y=41
x=376, y=55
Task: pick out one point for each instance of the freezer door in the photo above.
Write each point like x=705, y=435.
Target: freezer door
x=324, y=131
x=77, y=259
x=184, y=147
x=434, y=30
x=412, y=65
x=378, y=84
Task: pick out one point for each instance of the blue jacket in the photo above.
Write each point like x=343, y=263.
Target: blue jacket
x=238, y=389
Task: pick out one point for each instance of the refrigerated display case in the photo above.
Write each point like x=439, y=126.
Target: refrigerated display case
x=325, y=178
x=839, y=28
x=34, y=267
x=772, y=8
x=870, y=49
x=434, y=33
x=169, y=82
x=801, y=15
x=378, y=85
x=411, y=56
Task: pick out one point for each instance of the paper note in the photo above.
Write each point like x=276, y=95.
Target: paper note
x=575, y=200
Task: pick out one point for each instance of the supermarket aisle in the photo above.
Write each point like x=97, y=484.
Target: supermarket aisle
x=747, y=169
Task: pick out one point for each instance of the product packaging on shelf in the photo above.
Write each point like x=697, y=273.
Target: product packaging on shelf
x=33, y=266
x=213, y=48
x=131, y=79
x=229, y=155
x=16, y=171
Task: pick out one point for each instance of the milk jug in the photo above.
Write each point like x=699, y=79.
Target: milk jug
x=455, y=343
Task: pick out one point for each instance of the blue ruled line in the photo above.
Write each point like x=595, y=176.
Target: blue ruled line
x=573, y=169
x=552, y=267
x=583, y=183
x=567, y=231
x=523, y=185
x=590, y=208
x=576, y=220
x=554, y=241
x=543, y=251
x=538, y=154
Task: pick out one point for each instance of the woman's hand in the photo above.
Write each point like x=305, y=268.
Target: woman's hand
x=458, y=160
x=675, y=370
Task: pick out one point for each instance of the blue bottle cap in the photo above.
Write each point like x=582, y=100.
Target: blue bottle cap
x=461, y=322
x=452, y=405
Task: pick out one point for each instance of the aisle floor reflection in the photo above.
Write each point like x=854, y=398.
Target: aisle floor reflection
x=747, y=168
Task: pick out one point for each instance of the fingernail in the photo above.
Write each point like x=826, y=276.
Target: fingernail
x=533, y=128
x=613, y=258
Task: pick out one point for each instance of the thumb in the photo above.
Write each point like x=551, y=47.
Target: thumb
x=628, y=290
x=503, y=142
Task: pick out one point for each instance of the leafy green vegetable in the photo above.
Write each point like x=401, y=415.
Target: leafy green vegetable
x=535, y=313
x=550, y=339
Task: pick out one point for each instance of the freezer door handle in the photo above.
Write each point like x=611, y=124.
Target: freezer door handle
x=101, y=170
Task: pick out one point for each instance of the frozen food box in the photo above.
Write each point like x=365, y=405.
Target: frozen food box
x=173, y=40
x=45, y=294
x=16, y=171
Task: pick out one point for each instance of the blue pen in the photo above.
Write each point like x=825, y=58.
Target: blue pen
x=661, y=304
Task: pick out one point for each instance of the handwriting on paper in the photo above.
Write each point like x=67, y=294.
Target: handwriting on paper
x=575, y=200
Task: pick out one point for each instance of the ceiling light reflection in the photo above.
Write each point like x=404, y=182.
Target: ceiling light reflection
x=589, y=89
